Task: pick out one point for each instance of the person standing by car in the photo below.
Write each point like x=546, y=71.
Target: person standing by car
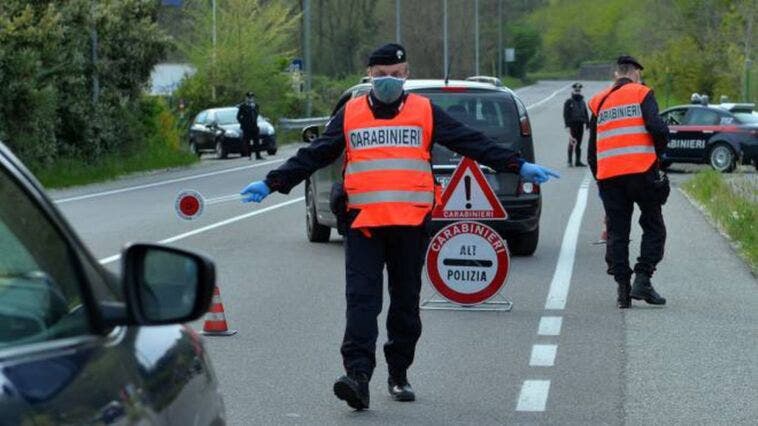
x=387, y=136
x=575, y=118
x=247, y=116
x=627, y=138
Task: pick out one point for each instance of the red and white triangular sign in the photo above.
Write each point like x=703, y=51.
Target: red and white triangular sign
x=469, y=196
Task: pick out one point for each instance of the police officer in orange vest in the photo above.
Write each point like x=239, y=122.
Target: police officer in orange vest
x=387, y=137
x=627, y=137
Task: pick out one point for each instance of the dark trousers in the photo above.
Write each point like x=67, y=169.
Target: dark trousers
x=401, y=248
x=248, y=136
x=619, y=195
x=577, y=132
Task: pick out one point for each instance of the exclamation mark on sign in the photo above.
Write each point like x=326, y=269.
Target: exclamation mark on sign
x=467, y=182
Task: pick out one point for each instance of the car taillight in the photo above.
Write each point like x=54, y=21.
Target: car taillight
x=526, y=128
x=528, y=188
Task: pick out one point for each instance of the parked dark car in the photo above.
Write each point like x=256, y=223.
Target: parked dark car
x=495, y=111
x=722, y=135
x=79, y=345
x=217, y=130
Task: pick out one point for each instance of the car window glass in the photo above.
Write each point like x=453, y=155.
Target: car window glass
x=674, y=117
x=201, y=118
x=703, y=117
x=228, y=116
x=491, y=112
x=747, y=117
x=40, y=297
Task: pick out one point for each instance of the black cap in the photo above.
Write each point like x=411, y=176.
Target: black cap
x=249, y=94
x=577, y=85
x=626, y=59
x=389, y=54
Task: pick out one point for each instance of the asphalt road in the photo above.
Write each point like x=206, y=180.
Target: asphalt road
x=563, y=355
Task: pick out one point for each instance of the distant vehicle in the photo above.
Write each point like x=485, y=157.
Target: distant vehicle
x=498, y=113
x=721, y=135
x=486, y=79
x=79, y=345
x=217, y=130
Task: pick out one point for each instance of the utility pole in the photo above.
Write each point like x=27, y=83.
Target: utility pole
x=476, y=39
x=499, y=38
x=307, y=55
x=444, y=38
x=93, y=36
x=213, y=54
x=397, y=21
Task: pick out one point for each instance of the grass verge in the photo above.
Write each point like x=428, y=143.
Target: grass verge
x=71, y=172
x=735, y=214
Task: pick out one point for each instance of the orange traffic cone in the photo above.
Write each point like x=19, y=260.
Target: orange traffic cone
x=215, y=320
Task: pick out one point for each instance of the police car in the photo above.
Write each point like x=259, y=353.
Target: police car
x=721, y=135
x=495, y=111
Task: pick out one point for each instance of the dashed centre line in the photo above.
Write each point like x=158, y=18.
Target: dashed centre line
x=534, y=393
x=543, y=355
x=550, y=326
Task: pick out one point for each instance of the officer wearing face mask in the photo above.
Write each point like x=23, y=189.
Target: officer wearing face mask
x=387, y=137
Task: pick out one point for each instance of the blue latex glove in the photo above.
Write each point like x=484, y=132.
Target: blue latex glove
x=536, y=174
x=256, y=192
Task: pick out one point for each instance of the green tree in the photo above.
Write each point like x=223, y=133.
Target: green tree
x=255, y=40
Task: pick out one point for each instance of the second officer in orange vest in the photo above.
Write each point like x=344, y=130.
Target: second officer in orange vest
x=626, y=138
x=387, y=137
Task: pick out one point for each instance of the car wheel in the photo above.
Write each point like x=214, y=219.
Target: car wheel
x=194, y=149
x=271, y=151
x=722, y=158
x=317, y=233
x=221, y=152
x=524, y=244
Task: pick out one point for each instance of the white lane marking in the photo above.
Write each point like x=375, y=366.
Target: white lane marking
x=543, y=355
x=533, y=396
x=550, y=326
x=175, y=238
x=552, y=95
x=559, y=287
x=165, y=182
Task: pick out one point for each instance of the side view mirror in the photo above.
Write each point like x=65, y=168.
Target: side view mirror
x=212, y=125
x=310, y=134
x=166, y=285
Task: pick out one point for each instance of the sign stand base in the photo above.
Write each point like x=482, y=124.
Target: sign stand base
x=497, y=304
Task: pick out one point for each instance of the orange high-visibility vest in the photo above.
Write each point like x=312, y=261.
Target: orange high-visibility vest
x=624, y=146
x=388, y=171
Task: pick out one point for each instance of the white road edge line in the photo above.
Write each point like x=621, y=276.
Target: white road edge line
x=543, y=355
x=559, y=286
x=165, y=182
x=550, y=326
x=175, y=238
x=533, y=396
x=552, y=95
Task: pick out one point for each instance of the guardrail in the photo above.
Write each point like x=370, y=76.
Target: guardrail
x=299, y=123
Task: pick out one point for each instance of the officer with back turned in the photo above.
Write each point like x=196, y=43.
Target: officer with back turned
x=627, y=137
x=390, y=193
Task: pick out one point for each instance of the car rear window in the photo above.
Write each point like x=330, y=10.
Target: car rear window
x=746, y=117
x=491, y=112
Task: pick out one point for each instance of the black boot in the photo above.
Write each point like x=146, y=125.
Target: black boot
x=353, y=389
x=643, y=290
x=400, y=389
x=579, y=164
x=623, y=301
